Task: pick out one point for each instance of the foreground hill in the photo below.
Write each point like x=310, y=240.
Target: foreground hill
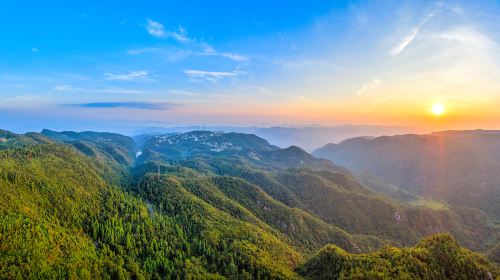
x=459, y=167
x=204, y=206
x=436, y=257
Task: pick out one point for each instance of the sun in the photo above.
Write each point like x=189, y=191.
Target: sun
x=438, y=109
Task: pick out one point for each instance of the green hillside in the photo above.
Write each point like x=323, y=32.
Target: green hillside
x=222, y=206
x=62, y=219
x=329, y=193
x=457, y=167
x=435, y=257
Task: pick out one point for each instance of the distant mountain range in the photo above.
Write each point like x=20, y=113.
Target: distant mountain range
x=214, y=205
x=308, y=138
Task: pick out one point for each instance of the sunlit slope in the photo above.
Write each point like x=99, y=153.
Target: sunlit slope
x=435, y=257
x=459, y=167
x=61, y=219
x=294, y=180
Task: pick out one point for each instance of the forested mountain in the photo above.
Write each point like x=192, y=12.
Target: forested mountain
x=328, y=192
x=101, y=145
x=62, y=217
x=208, y=205
x=459, y=167
x=436, y=257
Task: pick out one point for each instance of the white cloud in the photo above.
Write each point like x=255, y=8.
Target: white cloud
x=371, y=85
x=200, y=73
x=408, y=38
x=465, y=35
x=235, y=57
x=399, y=48
x=306, y=64
x=212, y=76
x=62, y=87
x=115, y=90
x=157, y=29
x=194, y=46
x=183, y=92
x=208, y=50
x=35, y=50
x=110, y=90
x=130, y=76
x=31, y=97
x=179, y=35
x=202, y=49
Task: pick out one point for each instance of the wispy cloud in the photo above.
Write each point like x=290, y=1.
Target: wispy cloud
x=410, y=36
x=206, y=49
x=179, y=35
x=183, y=92
x=110, y=90
x=235, y=57
x=157, y=30
x=371, y=85
x=193, y=49
x=128, y=105
x=130, y=76
x=35, y=50
x=468, y=36
x=62, y=87
x=211, y=76
x=400, y=47
x=193, y=46
x=301, y=64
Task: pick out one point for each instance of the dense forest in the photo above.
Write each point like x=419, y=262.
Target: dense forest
x=208, y=205
x=458, y=167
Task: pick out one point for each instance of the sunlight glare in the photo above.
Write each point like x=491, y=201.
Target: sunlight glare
x=438, y=109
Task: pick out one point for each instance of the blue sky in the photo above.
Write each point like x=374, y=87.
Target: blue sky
x=120, y=65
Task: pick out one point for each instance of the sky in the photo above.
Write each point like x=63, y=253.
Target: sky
x=122, y=65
